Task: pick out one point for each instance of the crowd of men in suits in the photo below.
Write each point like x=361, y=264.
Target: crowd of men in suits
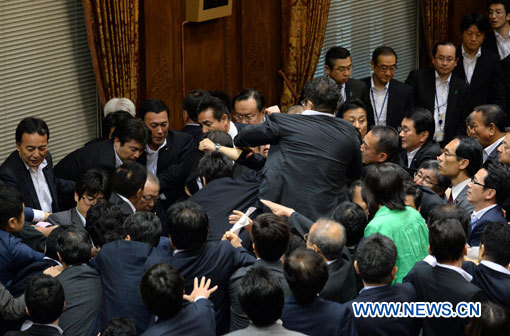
x=370, y=190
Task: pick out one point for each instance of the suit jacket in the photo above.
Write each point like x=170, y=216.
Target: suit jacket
x=178, y=145
x=430, y=150
x=238, y=319
x=441, y=284
x=83, y=292
x=319, y=317
x=274, y=329
x=462, y=201
x=121, y=265
x=493, y=215
x=100, y=155
x=36, y=330
x=19, y=282
x=388, y=326
x=400, y=99
x=487, y=83
x=11, y=308
x=125, y=208
x=193, y=319
x=494, y=155
x=236, y=194
x=490, y=44
x=14, y=174
x=68, y=217
x=423, y=82
x=341, y=284
x=296, y=141
x=218, y=261
x=495, y=284
x=355, y=89
x=429, y=201
x=195, y=131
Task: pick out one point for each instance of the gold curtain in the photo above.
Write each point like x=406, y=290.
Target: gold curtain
x=113, y=36
x=435, y=22
x=303, y=28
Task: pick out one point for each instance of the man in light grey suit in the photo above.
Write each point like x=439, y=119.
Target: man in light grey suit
x=88, y=191
x=261, y=297
x=461, y=159
x=81, y=283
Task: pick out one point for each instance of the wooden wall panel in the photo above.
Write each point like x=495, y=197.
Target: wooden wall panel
x=457, y=9
x=227, y=54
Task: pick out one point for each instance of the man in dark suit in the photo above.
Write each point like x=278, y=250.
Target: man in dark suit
x=90, y=189
x=189, y=107
x=249, y=107
x=490, y=122
x=417, y=134
x=150, y=201
x=29, y=168
x=161, y=289
x=195, y=257
x=498, y=41
x=488, y=188
x=492, y=274
x=306, y=273
x=212, y=114
x=375, y=262
x=388, y=97
x=127, y=184
x=479, y=68
x=446, y=281
x=128, y=144
x=437, y=90
x=380, y=144
x=216, y=173
x=165, y=148
x=338, y=65
x=296, y=140
x=121, y=264
x=45, y=302
x=270, y=235
x=81, y=283
x=327, y=237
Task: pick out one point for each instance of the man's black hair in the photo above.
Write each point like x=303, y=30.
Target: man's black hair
x=478, y=19
x=447, y=240
x=128, y=179
x=31, y=125
x=224, y=98
x=92, y=182
x=161, y=289
x=152, y=105
x=44, y=297
x=270, y=234
x=188, y=225
x=217, y=106
x=112, y=120
x=411, y=189
x=246, y=94
x=52, y=242
x=192, y=101
x=119, y=326
x=383, y=51
x=497, y=178
x=131, y=129
x=335, y=53
x=143, y=226
x=261, y=296
x=323, y=92
x=505, y=4
x=74, y=245
x=442, y=180
x=306, y=273
x=376, y=256
x=423, y=120
x=383, y=186
x=442, y=43
x=493, y=114
x=450, y=211
x=494, y=320
x=470, y=149
x=105, y=223
x=352, y=105
x=388, y=141
x=354, y=220
x=214, y=166
x=496, y=240
x=295, y=242
x=11, y=205
x=352, y=187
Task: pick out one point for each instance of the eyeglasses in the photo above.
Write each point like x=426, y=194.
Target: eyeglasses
x=385, y=68
x=150, y=198
x=448, y=154
x=443, y=59
x=305, y=237
x=477, y=183
x=240, y=117
x=425, y=179
x=344, y=69
x=403, y=129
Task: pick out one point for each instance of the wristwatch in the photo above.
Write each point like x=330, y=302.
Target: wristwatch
x=217, y=146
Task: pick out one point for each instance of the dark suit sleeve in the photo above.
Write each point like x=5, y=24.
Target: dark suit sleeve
x=411, y=81
x=22, y=255
x=70, y=167
x=11, y=308
x=242, y=258
x=257, y=135
x=348, y=327
x=300, y=223
x=497, y=93
x=64, y=187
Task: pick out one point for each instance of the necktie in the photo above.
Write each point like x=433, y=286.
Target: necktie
x=450, y=199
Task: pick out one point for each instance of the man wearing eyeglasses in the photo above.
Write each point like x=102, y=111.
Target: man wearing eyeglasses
x=150, y=201
x=460, y=160
x=338, y=65
x=249, y=107
x=489, y=187
x=437, y=90
x=388, y=97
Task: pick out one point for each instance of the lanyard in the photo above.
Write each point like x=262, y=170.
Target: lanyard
x=440, y=121
x=378, y=115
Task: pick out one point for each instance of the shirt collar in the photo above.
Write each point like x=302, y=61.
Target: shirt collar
x=465, y=54
x=232, y=131
x=48, y=258
x=498, y=36
x=373, y=84
x=51, y=325
x=459, y=270
x=127, y=201
x=83, y=220
x=488, y=150
x=438, y=79
x=458, y=188
x=495, y=267
x=312, y=112
x=118, y=161
x=150, y=151
x=43, y=165
x=370, y=287
x=478, y=214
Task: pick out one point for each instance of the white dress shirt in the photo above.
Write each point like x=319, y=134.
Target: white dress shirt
x=440, y=106
x=475, y=216
x=232, y=131
x=503, y=44
x=489, y=149
x=41, y=186
x=459, y=270
x=411, y=155
x=379, y=100
x=458, y=188
x=312, y=112
x=152, y=158
x=494, y=266
x=83, y=220
x=470, y=63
